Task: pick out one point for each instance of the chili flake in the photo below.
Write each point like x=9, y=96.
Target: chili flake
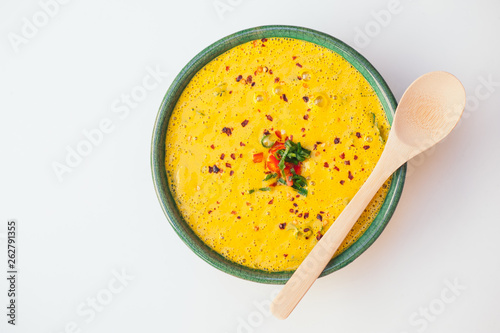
x=212, y=146
x=351, y=177
x=216, y=169
x=306, y=215
x=284, y=98
x=271, y=202
x=228, y=165
x=238, y=79
x=319, y=217
x=326, y=165
x=231, y=173
x=222, y=156
x=244, y=123
x=358, y=135
x=298, y=65
x=282, y=225
x=366, y=147
x=336, y=141
x=306, y=99
x=227, y=130
x=249, y=79
x=306, y=117
x=347, y=163
x=342, y=156
x=342, y=182
x=269, y=117
x=242, y=144
x=276, y=80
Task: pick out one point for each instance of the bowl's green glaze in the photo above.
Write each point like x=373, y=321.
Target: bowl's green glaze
x=158, y=149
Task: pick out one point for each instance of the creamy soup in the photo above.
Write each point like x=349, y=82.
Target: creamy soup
x=266, y=146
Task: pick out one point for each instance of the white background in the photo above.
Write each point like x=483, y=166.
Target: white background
x=104, y=218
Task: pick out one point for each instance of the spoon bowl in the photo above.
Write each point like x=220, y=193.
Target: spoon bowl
x=428, y=111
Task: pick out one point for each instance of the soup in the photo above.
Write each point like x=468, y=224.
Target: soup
x=266, y=146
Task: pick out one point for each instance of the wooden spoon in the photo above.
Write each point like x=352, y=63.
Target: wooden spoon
x=428, y=111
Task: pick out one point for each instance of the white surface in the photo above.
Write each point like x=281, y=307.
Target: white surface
x=104, y=216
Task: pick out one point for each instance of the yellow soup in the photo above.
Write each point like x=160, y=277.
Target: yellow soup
x=288, y=91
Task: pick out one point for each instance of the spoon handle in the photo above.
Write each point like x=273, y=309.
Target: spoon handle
x=312, y=266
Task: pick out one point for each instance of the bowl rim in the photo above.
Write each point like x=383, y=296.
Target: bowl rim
x=169, y=101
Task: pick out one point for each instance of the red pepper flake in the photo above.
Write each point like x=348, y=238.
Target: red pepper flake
x=249, y=79
x=257, y=158
x=298, y=65
x=299, y=77
x=266, y=132
x=243, y=145
x=238, y=217
x=263, y=45
x=230, y=91
x=282, y=225
x=227, y=130
x=212, y=146
x=300, y=215
x=347, y=163
x=351, y=177
x=321, y=212
x=342, y=156
x=306, y=117
x=306, y=230
x=336, y=141
x=319, y=236
x=227, y=68
x=366, y=147
x=228, y=165
x=303, y=129
x=271, y=71
x=284, y=98
x=209, y=212
x=233, y=156
x=238, y=79
x=326, y=165
x=285, y=255
x=273, y=184
x=231, y=173
x=306, y=99
x=241, y=155
x=233, y=212
x=269, y=117
x=244, y=123
x=222, y=156
x=276, y=80
x=263, y=40
x=336, y=168
x=306, y=215
x=342, y=182
x=315, y=146
x=294, y=57
x=271, y=202
x=210, y=169
x=253, y=84
x=295, y=204
x=216, y=169
x=319, y=217
x=355, y=157
x=291, y=210
x=358, y=135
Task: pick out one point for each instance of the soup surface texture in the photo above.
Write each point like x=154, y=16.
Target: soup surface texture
x=219, y=163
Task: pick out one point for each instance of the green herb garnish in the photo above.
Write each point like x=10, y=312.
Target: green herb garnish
x=270, y=176
x=266, y=189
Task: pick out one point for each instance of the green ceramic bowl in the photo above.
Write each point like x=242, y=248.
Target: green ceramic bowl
x=158, y=149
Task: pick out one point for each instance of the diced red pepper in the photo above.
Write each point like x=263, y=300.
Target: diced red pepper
x=257, y=158
x=272, y=164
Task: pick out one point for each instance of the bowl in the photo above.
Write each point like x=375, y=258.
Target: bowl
x=160, y=129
